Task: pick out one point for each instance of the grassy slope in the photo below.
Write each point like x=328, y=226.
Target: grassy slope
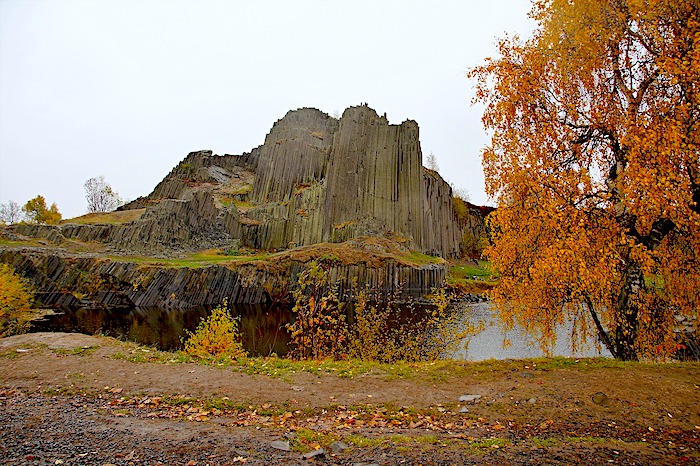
x=108, y=218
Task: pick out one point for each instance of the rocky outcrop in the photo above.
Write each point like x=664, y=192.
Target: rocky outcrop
x=316, y=179
x=295, y=155
x=89, y=282
x=200, y=168
x=375, y=180
x=440, y=224
x=190, y=223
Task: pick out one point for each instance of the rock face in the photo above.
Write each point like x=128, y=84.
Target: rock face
x=189, y=223
x=316, y=179
x=120, y=283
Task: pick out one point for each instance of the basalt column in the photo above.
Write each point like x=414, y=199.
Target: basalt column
x=374, y=179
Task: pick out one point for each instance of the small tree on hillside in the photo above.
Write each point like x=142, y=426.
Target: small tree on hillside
x=10, y=213
x=100, y=196
x=462, y=193
x=431, y=162
x=16, y=297
x=36, y=211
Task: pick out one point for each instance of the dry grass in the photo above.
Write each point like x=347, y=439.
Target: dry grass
x=369, y=250
x=108, y=218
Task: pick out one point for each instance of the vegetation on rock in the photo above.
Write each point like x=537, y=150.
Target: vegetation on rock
x=594, y=164
x=319, y=329
x=10, y=213
x=100, y=196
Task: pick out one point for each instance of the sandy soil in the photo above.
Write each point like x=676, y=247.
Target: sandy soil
x=73, y=399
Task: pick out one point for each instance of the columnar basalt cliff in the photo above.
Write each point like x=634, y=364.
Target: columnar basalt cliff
x=316, y=179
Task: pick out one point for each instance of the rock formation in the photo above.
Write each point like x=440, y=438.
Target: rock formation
x=316, y=179
x=103, y=282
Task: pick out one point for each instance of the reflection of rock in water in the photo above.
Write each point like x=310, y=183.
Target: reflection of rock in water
x=262, y=328
x=488, y=344
x=264, y=332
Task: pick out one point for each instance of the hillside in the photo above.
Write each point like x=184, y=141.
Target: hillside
x=317, y=182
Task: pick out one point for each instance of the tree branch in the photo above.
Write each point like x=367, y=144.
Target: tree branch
x=604, y=336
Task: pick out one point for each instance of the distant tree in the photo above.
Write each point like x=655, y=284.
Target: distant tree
x=431, y=162
x=36, y=211
x=10, y=213
x=461, y=193
x=595, y=125
x=100, y=196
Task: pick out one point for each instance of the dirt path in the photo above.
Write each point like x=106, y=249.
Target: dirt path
x=76, y=399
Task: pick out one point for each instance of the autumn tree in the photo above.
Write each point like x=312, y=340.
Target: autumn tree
x=16, y=298
x=100, y=196
x=36, y=211
x=594, y=163
x=10, y=213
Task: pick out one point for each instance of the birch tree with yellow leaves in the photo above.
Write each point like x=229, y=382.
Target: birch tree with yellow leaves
x=594, y=164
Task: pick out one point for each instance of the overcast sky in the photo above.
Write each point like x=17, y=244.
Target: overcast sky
x=126, y=88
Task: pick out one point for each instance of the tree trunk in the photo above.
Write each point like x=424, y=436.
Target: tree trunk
x=621, y=341
x=626, y=330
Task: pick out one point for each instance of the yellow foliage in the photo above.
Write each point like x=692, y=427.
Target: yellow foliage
x=37, y=212
x=319, y=329
x=217, y=335
x=16, y=298
x=594, y=163
x=386, y=331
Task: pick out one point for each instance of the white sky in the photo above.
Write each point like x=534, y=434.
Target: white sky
x=126, y=88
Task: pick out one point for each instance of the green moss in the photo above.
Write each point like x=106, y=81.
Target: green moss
x=82, y=351
x=487, y=444
x=9, y=244
x=362, y=441
x=544, y=442
x=481, y=270
x=418, y=258
x=242, y=189
x=194, y=260
x=308, y=440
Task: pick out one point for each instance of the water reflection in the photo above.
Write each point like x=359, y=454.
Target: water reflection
x=488, y=344
x=263, y=330
x=262, y=327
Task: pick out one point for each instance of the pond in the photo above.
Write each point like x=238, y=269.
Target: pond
x=262, y=327
x=488, y=344
x=264, y=333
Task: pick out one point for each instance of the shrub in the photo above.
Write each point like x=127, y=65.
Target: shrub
x=387, y=331
x=447, y=327
x=368, y=335
x=16, y=298
x=217, y=335
x=319, y=328
x=394, y=330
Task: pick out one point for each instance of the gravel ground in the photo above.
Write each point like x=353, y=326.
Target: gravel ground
x=62, y=406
